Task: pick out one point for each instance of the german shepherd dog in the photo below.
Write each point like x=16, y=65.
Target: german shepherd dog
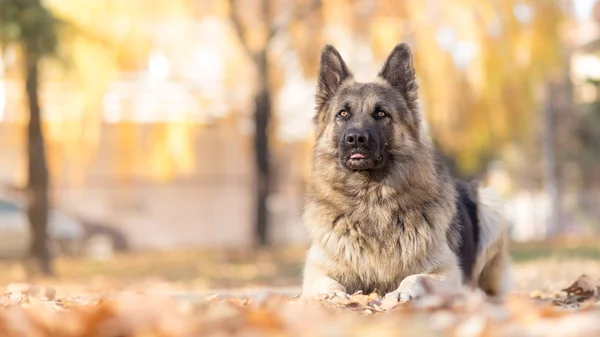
x=382, y=211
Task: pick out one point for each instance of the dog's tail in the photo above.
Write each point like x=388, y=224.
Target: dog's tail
x=491, y=215
x=492, y=267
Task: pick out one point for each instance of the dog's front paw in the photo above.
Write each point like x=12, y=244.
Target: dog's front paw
x=326, y=295
x=402, y=296
x=338, y=293
x=331, y=294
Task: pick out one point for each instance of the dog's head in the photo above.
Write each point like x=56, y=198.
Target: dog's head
x=366, y=125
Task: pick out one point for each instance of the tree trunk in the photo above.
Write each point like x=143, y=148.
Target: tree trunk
x=556, y=141
x=38, y=201
x=550, y=176
x=262, y=114
x=564, y=142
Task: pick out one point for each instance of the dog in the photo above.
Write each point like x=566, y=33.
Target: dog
x=382, y=211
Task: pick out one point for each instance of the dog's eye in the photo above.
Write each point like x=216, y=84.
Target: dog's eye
x=343, y=113
x=380, y=114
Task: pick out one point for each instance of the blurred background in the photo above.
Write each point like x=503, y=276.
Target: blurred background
x=132, y=127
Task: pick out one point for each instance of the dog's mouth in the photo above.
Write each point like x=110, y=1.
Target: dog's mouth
x=357, y=156
x=362, y=160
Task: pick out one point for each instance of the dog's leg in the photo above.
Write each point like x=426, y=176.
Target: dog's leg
x=316, y=281
x=448, y=274
x=495, y=277
x=492, y=270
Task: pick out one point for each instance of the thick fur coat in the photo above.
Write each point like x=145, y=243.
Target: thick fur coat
x=382, y=211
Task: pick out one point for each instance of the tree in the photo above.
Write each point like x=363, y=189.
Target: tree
x=257, y=49
x=33, y=27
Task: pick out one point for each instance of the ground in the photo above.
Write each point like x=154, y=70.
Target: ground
x=237, y=293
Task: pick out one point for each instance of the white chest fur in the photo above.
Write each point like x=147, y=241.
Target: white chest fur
x=372, y=247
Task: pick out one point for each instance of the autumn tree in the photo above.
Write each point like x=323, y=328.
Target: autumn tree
x=257, y=24
x=33, y=27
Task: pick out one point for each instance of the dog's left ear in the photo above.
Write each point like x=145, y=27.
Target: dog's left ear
x=399, y=72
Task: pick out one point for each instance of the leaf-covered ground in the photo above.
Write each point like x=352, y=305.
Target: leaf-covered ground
x=158, y=297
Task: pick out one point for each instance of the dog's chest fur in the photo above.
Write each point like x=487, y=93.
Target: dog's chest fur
x=370, y=242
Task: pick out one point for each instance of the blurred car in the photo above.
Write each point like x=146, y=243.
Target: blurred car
x=68, y=235
x=100, y=240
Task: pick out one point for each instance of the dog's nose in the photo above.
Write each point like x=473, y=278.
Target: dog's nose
x=356, y=137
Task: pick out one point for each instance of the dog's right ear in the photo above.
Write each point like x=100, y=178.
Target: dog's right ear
x=332, y=72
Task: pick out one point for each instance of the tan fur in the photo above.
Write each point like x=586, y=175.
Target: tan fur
x=384, y=234
x=492, y=270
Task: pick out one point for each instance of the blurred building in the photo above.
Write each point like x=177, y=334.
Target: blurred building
x=207, y=197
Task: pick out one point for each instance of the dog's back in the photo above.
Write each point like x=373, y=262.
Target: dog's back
x=467, y=222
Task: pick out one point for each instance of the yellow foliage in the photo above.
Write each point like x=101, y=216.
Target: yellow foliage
x=474, y=106
x=488, y=103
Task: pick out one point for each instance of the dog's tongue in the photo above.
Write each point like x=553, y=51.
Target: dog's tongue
x=357, y=156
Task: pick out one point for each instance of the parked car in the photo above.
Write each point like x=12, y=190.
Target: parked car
x=67, y=234
x=100, y=240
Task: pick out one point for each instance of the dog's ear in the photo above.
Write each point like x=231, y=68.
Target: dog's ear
x=399, y=72
x=332, y=72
